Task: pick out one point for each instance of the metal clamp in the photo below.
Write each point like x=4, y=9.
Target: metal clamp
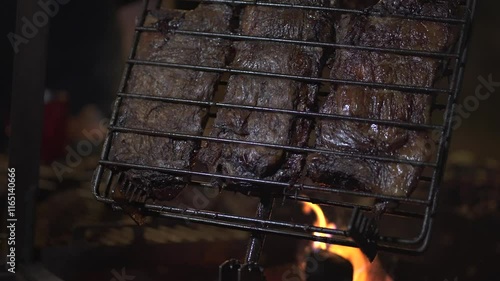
x=364, y=231
x=232, y=270
x=228, y=271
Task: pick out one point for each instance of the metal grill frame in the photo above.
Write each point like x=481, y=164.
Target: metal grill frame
x=103, y=177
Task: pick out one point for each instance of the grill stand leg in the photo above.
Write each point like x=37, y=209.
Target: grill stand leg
x=232, y=270
x=257, y=240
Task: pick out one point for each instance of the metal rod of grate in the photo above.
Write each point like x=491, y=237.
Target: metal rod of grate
x=270, y=190
x=269, y=226
x=318, y=80
x=340, y=10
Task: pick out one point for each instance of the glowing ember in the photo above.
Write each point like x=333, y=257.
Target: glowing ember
x=363, y=269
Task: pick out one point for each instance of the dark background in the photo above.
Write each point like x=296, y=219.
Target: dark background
x=86, y=52
x=481, y=132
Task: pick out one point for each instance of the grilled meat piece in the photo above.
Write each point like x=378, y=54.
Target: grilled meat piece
x=175, y=83
x=267, y=127
x=363, y=138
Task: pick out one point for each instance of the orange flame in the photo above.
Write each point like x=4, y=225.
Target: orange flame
x=360, y=263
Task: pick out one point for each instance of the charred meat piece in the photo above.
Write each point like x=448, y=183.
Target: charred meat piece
x=169, y=47
x=363, y=138
x=267, y=127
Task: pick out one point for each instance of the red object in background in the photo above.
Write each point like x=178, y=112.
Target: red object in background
x=55, y=120
x=54, y=136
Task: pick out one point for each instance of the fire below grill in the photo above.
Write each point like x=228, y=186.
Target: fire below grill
x=370, y=219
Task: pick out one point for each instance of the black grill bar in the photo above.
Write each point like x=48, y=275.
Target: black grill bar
x=269, y=145
x=292, y=196
x=302, y=231
x=126, y=73
x=325, y=45
x=421, y=238
x=254, y=248
x=264, y=184
x=254, y=221
x=457, y=79
x=109, y=181
x=452, y=100
x=415, y=126
x=107, y=142
x=326, y=202
x=389, y=244
x=391, y=240
x=337, y=10
x=280, y=228
x=312, y=80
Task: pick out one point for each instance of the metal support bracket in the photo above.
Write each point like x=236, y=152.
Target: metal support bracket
x=251, y=272
x=364, y=231
x=228, y=271
x=232, y=270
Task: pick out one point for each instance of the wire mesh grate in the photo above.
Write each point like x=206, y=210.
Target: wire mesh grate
x=418, y=208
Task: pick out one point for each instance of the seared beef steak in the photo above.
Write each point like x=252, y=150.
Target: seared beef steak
x=266, y=127
x=361, y=30
x=170, y=82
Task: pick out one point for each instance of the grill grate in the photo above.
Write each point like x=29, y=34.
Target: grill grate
x=420, y=206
